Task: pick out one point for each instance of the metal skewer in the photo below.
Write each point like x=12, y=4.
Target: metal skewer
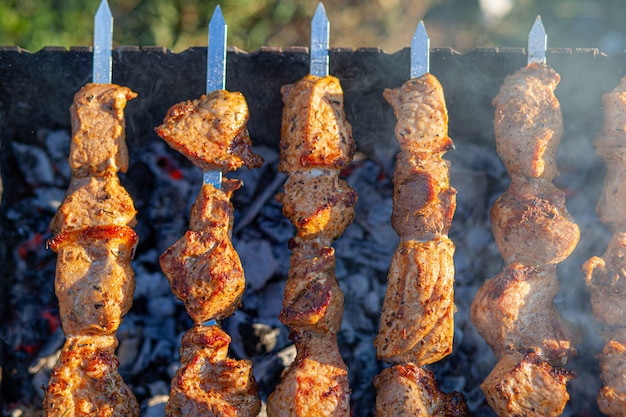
x=216, y=73
x=420, y=52
x=215, y=80
x=102, y=43
x=320, y=34
x=537, y=43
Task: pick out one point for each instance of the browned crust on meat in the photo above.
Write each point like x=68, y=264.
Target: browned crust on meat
x=313, y=301
x=98, y=129
x=514, y=311
x=422, y=117
x=525, y=385
x=321, y=207
x=316, y=383
x=211, y=132
x=530, y=223
x=315, y=133
x=203, y=267
x=606, y=278
x=408, y=390
x=528, y=122
x=417, y=319
x=208, y=382
x=424, y=203
x=85, y=381
x=94, y=201
x=94, y=280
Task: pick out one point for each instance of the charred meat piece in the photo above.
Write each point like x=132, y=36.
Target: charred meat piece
x=528, y=122
x=99, y=130
x=319, y=204
x=612, y=395
x=606, y=279
x=313, y=300
x=203, y=267
x=514, y=312
x=94, y=279
x=531, y=224
x=211, y=132
x=316, y=383
x=85, y=381
x=315, y=133
x=417, y=319
x=94, y=201
x=209, y=383
x=409, y=390
x=526, y=385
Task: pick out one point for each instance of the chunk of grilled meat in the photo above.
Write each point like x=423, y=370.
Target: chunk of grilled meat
x=514, y=312
x=417, y=319
x=531, y=224
x=606, y=276
x=319, y=204
x=209, y=384
x=314, y=133
x=423, y=201
x=99, y=129
x=94, y=201
x=422, y=117
x=203, y=267
x=606, y=279
x=94, y=279
x=316, y=383
x=211, y=131
x=612, y=395
x=526, y=385
x=528, y=122
x=85, y=381
x=411, y=391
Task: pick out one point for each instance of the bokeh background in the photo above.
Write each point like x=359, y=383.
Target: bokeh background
x=387, y=24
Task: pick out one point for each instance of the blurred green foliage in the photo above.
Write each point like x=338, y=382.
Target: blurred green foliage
x=387, y=24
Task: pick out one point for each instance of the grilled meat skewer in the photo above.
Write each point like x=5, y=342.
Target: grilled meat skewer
x=203, y=268
x=95, y=245
x=417, y=318
x=316, y=143
x=606, y=276
x=514, y=311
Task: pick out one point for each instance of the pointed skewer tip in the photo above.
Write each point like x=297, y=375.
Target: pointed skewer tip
x=102, y=44
x=537, y=43
x=420, y=52
x=320, y=33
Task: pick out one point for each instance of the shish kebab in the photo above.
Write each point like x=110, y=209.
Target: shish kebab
x=514, y=311
x=417, y=319
x=316, y=143
x=606, y=275
x=203, y=268
x=95, y=244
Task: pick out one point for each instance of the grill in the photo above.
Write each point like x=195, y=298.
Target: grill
x=36, y=91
